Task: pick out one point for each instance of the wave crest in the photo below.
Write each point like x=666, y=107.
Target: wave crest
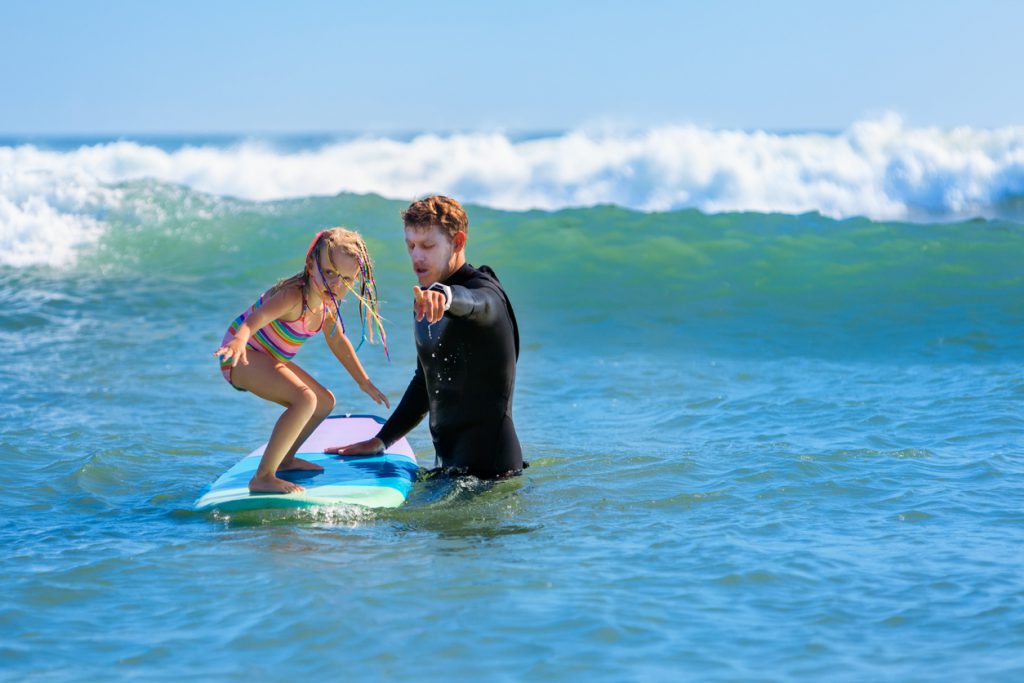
x=878, y=168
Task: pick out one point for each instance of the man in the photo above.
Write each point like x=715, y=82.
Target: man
x=467, y=343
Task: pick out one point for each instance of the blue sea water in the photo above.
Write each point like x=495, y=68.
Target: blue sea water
x=765, y=446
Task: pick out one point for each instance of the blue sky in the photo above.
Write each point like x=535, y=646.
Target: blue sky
x=187, y=67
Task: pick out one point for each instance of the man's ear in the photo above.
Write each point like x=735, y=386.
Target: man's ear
x=459, y=241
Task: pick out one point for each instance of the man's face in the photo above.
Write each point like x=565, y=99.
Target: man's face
x=434, y=256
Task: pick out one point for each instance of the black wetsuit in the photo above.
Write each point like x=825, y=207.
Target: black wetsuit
x=465, y=378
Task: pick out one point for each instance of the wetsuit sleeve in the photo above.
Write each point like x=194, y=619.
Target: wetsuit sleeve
x=410, y=411
x=481, y=305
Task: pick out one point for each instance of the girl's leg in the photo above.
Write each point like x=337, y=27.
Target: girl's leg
x=324, y=405
x=274, y=381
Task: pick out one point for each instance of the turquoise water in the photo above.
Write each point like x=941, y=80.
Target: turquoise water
x=763, y=446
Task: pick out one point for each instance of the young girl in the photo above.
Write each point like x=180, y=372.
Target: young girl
x=274, y=328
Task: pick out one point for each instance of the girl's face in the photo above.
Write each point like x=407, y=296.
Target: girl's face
x=337, y=273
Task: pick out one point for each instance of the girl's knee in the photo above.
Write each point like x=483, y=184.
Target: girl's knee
x=305, y=399
x=325, y=404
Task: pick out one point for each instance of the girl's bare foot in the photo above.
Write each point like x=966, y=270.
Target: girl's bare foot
x=294, y=463
x=272, y=484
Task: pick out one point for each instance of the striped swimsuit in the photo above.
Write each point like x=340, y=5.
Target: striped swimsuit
x=280, y=339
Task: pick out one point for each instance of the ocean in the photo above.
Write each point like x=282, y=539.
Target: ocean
x=771, y=389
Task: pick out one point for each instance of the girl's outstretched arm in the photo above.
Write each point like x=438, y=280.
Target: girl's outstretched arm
x=342, y=349
x=284, y=304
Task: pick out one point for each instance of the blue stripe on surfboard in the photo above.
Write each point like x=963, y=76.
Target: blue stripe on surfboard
x=376, y=418
x=233, y=493
x=364, y=471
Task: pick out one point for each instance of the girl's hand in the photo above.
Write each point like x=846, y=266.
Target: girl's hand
x=234, y=351
x=373, y=392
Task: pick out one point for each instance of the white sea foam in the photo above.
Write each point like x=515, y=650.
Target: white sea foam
x=44, y=217
x=878, y=168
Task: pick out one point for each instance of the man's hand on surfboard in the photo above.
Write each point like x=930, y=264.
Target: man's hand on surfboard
x=369, y=447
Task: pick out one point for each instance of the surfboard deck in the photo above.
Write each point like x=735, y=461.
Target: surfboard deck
x=379, y=481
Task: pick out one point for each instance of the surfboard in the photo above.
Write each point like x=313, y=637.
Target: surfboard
x=379, y=481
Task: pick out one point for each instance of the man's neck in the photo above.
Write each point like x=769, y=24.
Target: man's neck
x=459, y=262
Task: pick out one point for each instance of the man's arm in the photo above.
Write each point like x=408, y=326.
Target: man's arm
x=410, y=411
x=481, y=305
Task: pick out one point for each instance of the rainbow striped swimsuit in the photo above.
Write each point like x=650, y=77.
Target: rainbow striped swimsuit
x=280, y=339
